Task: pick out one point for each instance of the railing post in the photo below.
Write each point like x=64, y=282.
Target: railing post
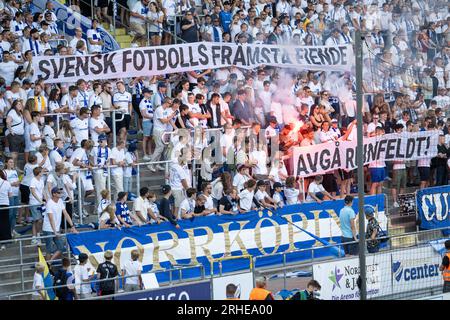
x=166, y=174
x=80, y=204
x=114, y=128
x=21, y=264
x=92, y=10
x=138, y=179
x=114, y=17
x=284, y=270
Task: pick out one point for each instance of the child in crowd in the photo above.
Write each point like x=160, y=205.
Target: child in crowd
x=129, y=171
x=108, y=219
x=278, y=195
x=263, y=197
x=291, y=193
x=187, y=206
x=104, y=202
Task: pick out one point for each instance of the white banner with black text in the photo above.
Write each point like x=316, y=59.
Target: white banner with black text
x=329, y=156
x=150, y=61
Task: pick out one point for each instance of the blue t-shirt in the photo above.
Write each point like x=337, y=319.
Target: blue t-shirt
x=346, y=214
x=123, y=211
x=225, y=20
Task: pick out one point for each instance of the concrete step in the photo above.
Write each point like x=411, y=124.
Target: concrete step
x=402, y=242
x=14, y=273
x=9, y=287
x=125, y=45
x=124, y=38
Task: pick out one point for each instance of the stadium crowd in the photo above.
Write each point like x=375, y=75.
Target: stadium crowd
x=64, y=131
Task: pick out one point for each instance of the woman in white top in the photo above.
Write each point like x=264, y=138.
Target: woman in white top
x=66, y=134
x=220, y=186
x=15, y=129
x=29, y=107
x=290, y=191
x=156, y=17
x=13, y=177
x=259, y=155
x=54, y=98
x=5, y=194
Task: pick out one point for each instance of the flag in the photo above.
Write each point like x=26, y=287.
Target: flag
x=48, y=280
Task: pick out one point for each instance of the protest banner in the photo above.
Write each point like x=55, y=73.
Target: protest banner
x=206, y=240
x=149, y=61
x=329, y=156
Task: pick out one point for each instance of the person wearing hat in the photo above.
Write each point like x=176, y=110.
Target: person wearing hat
x=101, y=155
x=165, y=209
x=373, y=244
x=83, y=275
x=107, y=270
x=54, y=209
x=278, y=195
x=146, y=109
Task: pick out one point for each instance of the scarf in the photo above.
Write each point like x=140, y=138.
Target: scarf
x=39, y=100
x=99, y=159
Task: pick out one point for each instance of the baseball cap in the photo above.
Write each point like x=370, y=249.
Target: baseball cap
x=102, y=137
x=56, y=190
x=260, y=183
x=369, y=211
x=165, y=189
x=162, y=85
x=146, y=90
x=333, y=120
x=277, y=185
x=82, y=257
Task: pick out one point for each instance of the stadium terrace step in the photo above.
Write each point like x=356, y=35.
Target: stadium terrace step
x=403, y=242
x=14, y=286
x=124, y=38
x=14, y=273
x=125, y=45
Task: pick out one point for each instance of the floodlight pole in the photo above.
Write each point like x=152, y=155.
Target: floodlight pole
x=360, y=163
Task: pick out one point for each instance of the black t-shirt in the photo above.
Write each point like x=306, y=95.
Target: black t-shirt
x=226, y=203
x=190, y=34
x=107, y=270
x=165, y=211
x=445, y=261
x=199, y=209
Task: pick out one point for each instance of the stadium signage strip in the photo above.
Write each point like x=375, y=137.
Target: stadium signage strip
x=329, y=156
x=387, y=273
x=204, y=240
x=433, y=206
x=149, y=61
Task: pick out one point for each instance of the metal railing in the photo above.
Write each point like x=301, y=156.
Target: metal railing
x=118, y=281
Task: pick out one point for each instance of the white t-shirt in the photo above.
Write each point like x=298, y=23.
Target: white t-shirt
x=161, y=113
x=142, y=206
x=141, y=9
x=81, y=272
x=38, y=282
x=314, y=188
x=34, y=131
x=122, y=99
x=187, y=205
x=132, y=268
x=17, y=124
x=81, y=155
x=47, y=164
x=94, y=35
x=49, y=136
x=176, y=174
x=291, y=195
x=38, y=186
x=96, y=123
x=261, y=195
x=239, y=180
x=56, y=208
x=5, y=191
x=12, y=176
x=81, y=129
x=7, y=70
x=261, y=157
x=118, y=156
x=246, y=199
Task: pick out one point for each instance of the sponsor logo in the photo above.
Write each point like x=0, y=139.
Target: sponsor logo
x=412, y=271
x=335, y=276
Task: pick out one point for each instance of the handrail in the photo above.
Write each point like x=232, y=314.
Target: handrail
x=116, y=279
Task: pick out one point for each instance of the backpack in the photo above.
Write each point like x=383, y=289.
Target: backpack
x=60, y=279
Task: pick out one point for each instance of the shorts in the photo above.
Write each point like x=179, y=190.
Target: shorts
x=329, y=182
x=102, y=3
x=178, y=196
x=424, y=173
x=53, y=244
x=24, y=194
x=135, y=103
x=139, y=28
x=87, y=183
x=399, y=178
x=36, y=213
x=350, y=248
x=131, y=287
x=124, y=123
x=147, y=128
x=154, y=34
x=377, y=174
x=16, y=143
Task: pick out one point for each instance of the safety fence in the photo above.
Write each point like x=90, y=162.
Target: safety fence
x=403, y=269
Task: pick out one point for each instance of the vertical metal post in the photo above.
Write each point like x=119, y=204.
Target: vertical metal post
x=114, y=128
x=21, y=264
x=360, y=163
x=284, y=270
x=109, y=178
x=114, y=17
x=92, y=10
x=166, y=173
x=80, y=204
x=138, y=179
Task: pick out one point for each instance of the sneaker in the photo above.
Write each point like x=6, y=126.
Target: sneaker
x=35, y=242
x=134, y=45
x=396, y=205
x=15, y=234
x=151, y=168
x=85, y=214
x=76, y=215
x=111, y=27
x=146, y=158
x=160, y=167
x=2, y=247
